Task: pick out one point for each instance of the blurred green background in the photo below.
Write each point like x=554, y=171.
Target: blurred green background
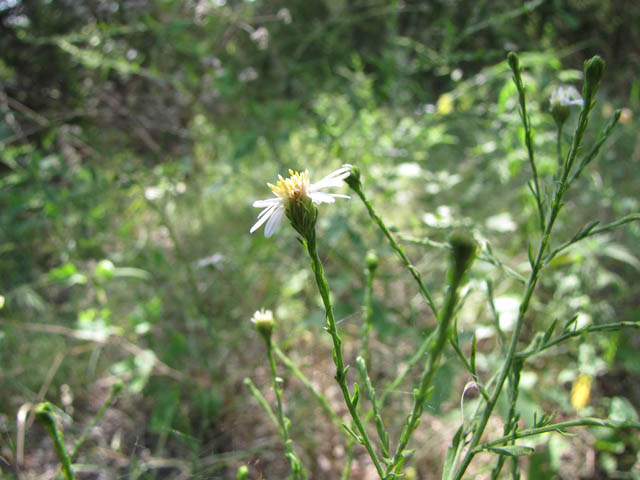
x=134, y=136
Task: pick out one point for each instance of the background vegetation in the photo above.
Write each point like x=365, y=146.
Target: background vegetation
x=134, y=136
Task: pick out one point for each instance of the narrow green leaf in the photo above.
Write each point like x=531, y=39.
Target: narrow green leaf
x=453, y=453
x=530, y=254
x=549, y=332
x=355, y=436
x=512, y=450
x=356, y=395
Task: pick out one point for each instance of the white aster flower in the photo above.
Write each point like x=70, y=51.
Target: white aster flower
x=294, y=189
x=565, y=96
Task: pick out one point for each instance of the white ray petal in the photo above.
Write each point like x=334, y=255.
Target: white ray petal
x=321, y=197
x=265, y=216
x=334, y=179
x=274, y=222
x=266, y=202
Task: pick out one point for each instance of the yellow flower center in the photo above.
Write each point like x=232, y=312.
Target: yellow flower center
x=293, y=187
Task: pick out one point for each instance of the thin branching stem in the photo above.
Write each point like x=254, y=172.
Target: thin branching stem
x=556, y=427
x=528, y=136
x=589, y=90
x=605, y=327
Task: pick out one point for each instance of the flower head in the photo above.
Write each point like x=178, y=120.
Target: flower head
x=561, y=99
x=293, y=192
x=263, y=320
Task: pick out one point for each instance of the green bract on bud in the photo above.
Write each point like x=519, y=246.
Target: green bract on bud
x=593, y=71
x=302, y=214
x=353, y=180
x=263, y=320
x=242, y=473
x=463, y=249
x=514, y=61
x=371, y=260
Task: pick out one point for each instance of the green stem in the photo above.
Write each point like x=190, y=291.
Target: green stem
x=590, y=231
x=371, y=393
x=514, y=63
x=296, y=467
x=46, y=415
x=341, y=371
x=556, y=427
x=399, y=250
x=324, y=403
x=605, y=327
x=367, y=313
x=559, y=145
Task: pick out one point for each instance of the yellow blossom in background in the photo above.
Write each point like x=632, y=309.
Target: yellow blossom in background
x=581, y=391
x=445, y=104
x=1, y=302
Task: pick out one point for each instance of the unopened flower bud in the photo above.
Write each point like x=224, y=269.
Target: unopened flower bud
x=514, y=61
x=463, y=252
x=593, y=71
x=263, y=320
x=372, y=260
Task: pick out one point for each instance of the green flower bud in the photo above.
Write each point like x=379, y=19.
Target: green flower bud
x=463, y=252
x=371, y=260
x=593, y=71
x=514, y=61
x=263, y=320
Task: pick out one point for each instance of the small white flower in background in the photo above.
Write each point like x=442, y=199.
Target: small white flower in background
x=565, y=96
x=261, y=37
x=294, y=189
x=284, y=15
x=249, y=74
